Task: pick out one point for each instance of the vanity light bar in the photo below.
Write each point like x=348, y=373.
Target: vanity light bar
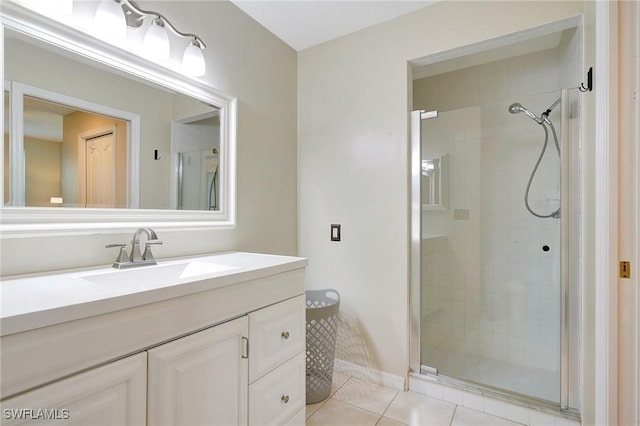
x=134, y=16
x=156, y=41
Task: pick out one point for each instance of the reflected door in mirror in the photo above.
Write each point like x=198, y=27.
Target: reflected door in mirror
x=100, y=177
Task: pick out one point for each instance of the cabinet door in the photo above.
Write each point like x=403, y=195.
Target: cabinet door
x=114, y=394
x=200, y=379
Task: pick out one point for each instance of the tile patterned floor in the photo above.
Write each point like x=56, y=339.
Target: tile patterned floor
x=355, y=402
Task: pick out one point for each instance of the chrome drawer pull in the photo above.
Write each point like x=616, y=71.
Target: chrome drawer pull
x=285, y=335
x=285, y=398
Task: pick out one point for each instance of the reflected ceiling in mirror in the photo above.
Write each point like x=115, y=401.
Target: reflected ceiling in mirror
x=173, y=137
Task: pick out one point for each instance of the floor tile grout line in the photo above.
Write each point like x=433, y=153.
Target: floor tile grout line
x=323, y=402
x=319, y=407
x=453, y=415
x=342, y=385
x=378, y=421
x=360, y=408
x=368, y=382
x=389, y=405
x=328, y=398
x=355, y=406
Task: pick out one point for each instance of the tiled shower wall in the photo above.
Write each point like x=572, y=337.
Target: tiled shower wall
x=491, y=288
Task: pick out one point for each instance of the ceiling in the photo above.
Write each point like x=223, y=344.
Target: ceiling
x=305, y=23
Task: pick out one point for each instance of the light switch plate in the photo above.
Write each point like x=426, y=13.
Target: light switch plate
x=335, y=232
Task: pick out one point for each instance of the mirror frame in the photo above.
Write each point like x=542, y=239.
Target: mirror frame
x=49, y=221
x=443, y=184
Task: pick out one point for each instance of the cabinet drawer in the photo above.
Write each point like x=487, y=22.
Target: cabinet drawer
x=297, y=420
x=276, y=398
x=277, y=333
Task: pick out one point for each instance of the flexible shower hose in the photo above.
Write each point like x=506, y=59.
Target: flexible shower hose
x=556, y=213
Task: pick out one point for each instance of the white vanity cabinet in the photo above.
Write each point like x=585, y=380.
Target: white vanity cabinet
x=201, y=379
x=228, y=349
x=113, y=394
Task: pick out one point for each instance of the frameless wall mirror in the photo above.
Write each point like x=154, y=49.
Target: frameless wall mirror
x=434, y=185
x=98, y=129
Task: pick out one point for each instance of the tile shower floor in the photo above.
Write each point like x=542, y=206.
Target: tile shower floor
x=537, y=382
x=358, y=402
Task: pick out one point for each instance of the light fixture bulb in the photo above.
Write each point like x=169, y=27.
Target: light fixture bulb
x=109, y=21
x=156, y=41
x=193, y=60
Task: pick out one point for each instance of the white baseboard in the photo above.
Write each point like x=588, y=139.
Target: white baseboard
x=369, y=374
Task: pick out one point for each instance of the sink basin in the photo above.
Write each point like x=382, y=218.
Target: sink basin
x=147, y=277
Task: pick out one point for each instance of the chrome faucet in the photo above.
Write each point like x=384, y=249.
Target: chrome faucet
x=136, y=258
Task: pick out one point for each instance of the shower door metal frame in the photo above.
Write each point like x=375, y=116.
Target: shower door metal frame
x=569, y=303
x=416, y=243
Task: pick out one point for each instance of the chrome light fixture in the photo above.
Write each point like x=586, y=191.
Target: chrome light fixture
x=156, y=44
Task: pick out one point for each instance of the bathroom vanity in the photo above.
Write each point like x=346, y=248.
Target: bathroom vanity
x=214, y=339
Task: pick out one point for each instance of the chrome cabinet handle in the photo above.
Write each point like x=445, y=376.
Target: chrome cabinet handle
x=245, y=354
x=285, y=335
x=285, y=398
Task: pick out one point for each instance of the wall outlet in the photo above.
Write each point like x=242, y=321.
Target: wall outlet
x=461, y=214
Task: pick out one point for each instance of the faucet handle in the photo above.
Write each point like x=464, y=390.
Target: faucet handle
x=147, y=255
x=122, y=255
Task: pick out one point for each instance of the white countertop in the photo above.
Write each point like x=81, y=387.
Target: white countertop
x=34, y=301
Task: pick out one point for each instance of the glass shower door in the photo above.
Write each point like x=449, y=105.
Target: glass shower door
x=490, y=269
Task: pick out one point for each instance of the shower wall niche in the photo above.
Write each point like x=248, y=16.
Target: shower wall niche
x=491, y=272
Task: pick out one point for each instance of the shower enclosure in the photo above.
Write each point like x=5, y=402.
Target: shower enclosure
x=195, y=146
x=198, y=180
x=495, y=217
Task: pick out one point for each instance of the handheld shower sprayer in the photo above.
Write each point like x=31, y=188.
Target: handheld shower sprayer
x=517, y=108
x=543, y=121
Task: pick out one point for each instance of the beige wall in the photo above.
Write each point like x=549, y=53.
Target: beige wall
x=42, y=171
x=243, y=60
x=353, y=103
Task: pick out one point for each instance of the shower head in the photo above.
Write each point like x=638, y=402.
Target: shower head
x=517, y=108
